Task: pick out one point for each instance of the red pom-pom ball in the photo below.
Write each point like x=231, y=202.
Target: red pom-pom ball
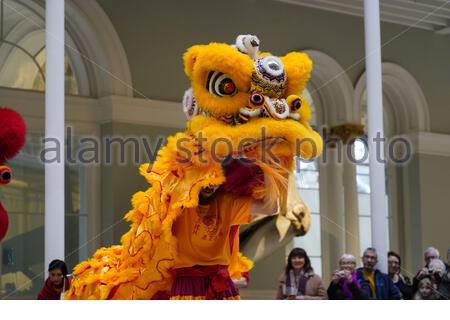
x=3, y=222
x=12, y=134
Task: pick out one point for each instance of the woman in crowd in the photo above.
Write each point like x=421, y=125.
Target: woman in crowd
x=402, y=282
x=299, y=280
x=344, y=284
x=57, y=283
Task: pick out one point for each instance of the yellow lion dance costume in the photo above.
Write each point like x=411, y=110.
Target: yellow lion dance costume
x=241, y=101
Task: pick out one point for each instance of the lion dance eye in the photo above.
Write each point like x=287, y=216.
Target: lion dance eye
x=257, y=99
x=220, y=84
x=5, y=175
x=296, y=104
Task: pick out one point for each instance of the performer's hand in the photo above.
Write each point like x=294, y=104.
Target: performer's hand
x=206, y=195
x=208, y=191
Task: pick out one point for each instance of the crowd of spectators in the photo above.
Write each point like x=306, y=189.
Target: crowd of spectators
x=299, y=282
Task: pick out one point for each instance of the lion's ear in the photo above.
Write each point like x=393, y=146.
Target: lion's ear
x=298, y=68
x=190, y=57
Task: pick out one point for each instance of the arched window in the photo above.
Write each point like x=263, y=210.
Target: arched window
x=22, y=51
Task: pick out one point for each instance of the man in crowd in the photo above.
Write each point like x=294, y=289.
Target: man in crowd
x=432, y=253
x=380, y=286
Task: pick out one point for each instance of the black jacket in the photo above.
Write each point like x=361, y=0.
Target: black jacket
x=405, y=287
x=336, y=292
x=443, y=286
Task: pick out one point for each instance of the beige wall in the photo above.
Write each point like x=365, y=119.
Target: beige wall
x=156, y=33
x=435, y=197
x=409, y=226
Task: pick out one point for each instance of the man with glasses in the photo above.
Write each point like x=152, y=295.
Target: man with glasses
x=380, y=285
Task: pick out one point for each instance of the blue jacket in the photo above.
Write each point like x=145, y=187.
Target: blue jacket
x=384, y=287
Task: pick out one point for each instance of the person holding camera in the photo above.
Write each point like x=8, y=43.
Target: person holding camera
x=57, y=283
x=440, y=278
x=344, y=284
x=429, y=256
x=435, y=284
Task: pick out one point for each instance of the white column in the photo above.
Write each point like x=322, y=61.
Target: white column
x=54, y=128
x=351, y=208
x=378, y=204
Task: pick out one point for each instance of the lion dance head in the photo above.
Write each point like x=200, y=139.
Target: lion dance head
x=246, y=104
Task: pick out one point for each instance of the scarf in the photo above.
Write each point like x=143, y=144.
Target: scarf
x=296, y=285
x=344, y=282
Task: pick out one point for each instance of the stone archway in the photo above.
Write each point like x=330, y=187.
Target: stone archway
x=403, y=101
x=331, y=90
x=101, y=48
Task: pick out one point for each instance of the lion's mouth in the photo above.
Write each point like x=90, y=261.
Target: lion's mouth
x=242, y=177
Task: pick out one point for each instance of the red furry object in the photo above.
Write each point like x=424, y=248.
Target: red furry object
x=12, y=134
x=242, y=177
x=12, y=139
x=3, y=222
